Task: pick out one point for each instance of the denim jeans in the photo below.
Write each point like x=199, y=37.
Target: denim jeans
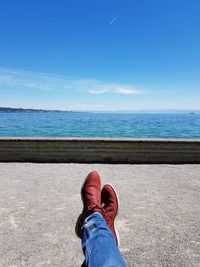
x=98, y=243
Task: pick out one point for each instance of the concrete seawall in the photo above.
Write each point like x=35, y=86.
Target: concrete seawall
x=101, y=150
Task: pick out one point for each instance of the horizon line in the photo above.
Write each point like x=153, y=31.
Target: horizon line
x=108, y=111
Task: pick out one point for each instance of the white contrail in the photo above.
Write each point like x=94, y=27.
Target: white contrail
x=113, y=20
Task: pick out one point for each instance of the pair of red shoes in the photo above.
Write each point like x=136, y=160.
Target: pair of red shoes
x=97, y=200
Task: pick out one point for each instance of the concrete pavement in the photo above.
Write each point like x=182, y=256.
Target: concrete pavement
x=158, y=222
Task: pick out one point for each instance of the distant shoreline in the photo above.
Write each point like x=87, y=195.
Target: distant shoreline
x=31, y=110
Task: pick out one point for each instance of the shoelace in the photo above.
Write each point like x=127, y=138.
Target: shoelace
x=94, y=205
x=103, y=211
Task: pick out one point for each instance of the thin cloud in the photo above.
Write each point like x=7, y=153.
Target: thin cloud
x=49, y=82
x=114, y=88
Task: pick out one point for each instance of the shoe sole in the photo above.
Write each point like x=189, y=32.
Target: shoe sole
x=115, y=228
x=80, y=215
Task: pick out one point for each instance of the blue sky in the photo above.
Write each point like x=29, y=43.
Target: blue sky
x=100, y=55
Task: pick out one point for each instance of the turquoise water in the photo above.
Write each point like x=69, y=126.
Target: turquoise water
x=100, y=125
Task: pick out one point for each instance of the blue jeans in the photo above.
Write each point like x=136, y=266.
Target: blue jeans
x=98, y=244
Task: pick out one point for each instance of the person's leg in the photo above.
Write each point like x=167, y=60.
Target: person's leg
x=99, y=244
x=95, y=225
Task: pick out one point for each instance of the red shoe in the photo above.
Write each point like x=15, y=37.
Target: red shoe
x=91, y=197
x=110, y=208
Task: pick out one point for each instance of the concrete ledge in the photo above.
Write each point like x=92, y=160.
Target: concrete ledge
x=101, y=150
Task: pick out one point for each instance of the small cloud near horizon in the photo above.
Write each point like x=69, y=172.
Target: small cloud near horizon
x=49, y=82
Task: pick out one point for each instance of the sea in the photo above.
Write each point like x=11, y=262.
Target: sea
x=94, y=124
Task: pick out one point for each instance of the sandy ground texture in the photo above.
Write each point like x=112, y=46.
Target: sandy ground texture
x=158, y=222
